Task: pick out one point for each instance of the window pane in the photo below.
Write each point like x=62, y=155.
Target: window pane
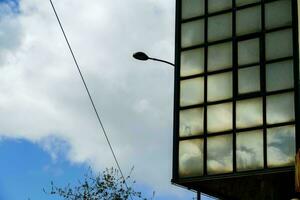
x=248, y=20
x=219, y=154
x=191, y=91
x=219, y=86
x=192, y=8
x=219, y=27
x=249, y=113
x=249, y=79
x=191, y=122
x=217, y=5
x=191, y=158
x=280, y=75
x=219, y=117
x=281, y=146
x=219, y=56
x=279, y=44
x=248, y=51
x=192, y=62
x=278, y=13
x=192, y=33
x=249, y=150
x=280, y=108
x=245, y=2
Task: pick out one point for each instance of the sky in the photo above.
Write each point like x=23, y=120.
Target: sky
x=48, y=129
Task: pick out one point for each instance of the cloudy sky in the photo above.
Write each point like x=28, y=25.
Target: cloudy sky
x=48, y=129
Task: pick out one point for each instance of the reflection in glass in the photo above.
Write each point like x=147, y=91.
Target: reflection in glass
x=249, y=150
x=192, y=8
x=219, y=154
x=245, y=2
x=219, y=56
x=191, y=91
x=281, y=146
x=278, y=13
x=249, y=113
x=279, y=75
x=191, y=158
x=248, y=20
x=249, y=79
x=219, y=86
x=191, y=122
x=248, y=51
x=192, y=62
x=192, y=33
x=279, y=44
x=219, y=117
x=219, y=27
x=217, y=5
x=280, y=108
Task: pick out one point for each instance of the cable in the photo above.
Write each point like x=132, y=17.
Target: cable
x=90, y=97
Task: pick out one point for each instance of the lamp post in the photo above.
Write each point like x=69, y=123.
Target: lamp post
x=142, y=56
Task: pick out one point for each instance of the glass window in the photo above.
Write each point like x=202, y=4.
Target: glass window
x=280, y=75
x=192, y=62
x=279, y=44
x=219, y=117
x=248, y=51
x=248, y=20
x=219, y=86
x=191, y=91
x=192, y=33
x=219, y=154
x=191, y=122
x=280, y=108
x=217, y=5
x=278, y=13
x=191, y=158
x=245, y=2
x=249, y=80
x=249, y=150
x=281, y=148
x=249, y=113
x=219, y=56
x=219, y=27
x=192, y=8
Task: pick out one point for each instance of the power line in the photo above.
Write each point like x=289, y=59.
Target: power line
x=89, y=95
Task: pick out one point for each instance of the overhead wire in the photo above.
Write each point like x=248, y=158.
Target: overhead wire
x=90, y=97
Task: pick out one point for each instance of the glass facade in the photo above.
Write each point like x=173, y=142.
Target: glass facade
x=236, y=87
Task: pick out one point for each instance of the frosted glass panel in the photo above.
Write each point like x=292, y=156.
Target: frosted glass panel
x=249, y=113
x=279, y=44
x=248, y=51
x=219, y=56
x=278, y=14
x=192, y=33
x=192, y=8
x=219, y=86
x=280, y=75
x=280, y=108
x=191, y=122
x=217, y=5
x=219, y=27
x=248, y=20
x=192, y=62
x=219, y=154
x=191, y=91
x=249, y=79
x=219, y=117
x=191, y=158
x=245, y=2
x=249, y=150
x=281, y=148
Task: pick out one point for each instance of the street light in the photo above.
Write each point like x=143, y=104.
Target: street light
x=142, y=56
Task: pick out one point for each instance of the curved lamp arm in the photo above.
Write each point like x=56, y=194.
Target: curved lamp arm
x=142, y=56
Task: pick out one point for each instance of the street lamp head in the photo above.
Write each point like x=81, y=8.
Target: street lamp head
x=140, y=56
